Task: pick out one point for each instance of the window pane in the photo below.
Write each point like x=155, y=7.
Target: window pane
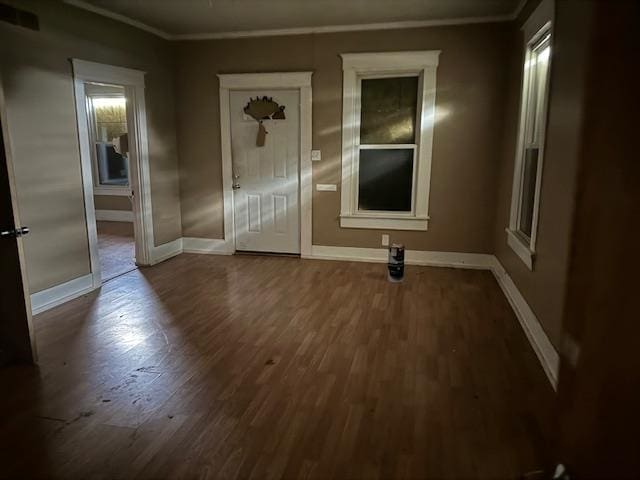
x=113, y=168
x=530, y=106
x=536, y=69
x=111, y=139
x=528, y=190
x=386, y=179
x=388, y=110
x=542, y=66
x=111, y=117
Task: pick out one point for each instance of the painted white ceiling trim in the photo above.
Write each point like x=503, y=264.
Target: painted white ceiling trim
x=295, y=31
x=116, y=16
x=343, y=28
x=518, y=9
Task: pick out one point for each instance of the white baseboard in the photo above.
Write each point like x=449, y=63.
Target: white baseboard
x=166, y=251
x=114, y=215
x=349, y=254
x=54, y=296
x=541, y=344
x=547, y=354
x=412, y=257
x=213, y=246
x=189, y=245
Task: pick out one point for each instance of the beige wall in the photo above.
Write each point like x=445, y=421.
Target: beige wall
x=474, y=138
x=544, y=288
x=471, y=81
x=37, y=79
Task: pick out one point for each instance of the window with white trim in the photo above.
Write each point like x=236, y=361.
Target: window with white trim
x=387, y=133
x=108, y=132
x=527, y=177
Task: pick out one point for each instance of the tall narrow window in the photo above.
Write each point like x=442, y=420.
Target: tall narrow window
x=387, y=144
x=521, y=234
x=108, y=130
x=388, y=116
x=533, y=131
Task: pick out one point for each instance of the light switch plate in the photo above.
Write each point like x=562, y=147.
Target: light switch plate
x=326, y=187
x=385, y=240
x=316, y=155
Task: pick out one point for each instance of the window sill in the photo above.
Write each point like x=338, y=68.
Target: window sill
x=384, y=223
x=520, y=248
x=113, y=191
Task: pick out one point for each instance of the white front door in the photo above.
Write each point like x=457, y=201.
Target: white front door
x=266, y=199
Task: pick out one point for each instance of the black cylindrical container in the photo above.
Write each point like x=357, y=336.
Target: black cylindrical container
x=396, y=262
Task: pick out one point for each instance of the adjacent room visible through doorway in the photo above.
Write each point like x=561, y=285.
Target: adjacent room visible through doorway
x=116, y=245
x=109, y=142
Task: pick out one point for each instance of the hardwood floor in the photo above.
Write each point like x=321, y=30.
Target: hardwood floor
x=116, y=247
x=271, y=367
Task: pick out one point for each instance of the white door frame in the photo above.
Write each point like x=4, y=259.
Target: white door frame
x=268, y=81
x=139, y=181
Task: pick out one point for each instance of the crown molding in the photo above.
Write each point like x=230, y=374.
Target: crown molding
x=343, y=28
x=516, y=13
x=295, y=31
x=118, y=17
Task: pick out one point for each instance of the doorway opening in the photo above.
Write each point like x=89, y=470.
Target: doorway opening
x=266, y=189
x=109, y=138
x=114, y=156
x=267, y=184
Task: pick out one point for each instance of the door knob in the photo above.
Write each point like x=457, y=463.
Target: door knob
x=235, y=186
x=14, y=232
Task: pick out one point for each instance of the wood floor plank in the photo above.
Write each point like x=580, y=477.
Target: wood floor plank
x=116, y=248
x=275, y=367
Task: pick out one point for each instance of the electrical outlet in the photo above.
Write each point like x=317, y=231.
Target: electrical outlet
x=385, y=240
x=316, y=155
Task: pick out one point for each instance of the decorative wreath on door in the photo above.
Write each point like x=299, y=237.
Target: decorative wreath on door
x=263, y=109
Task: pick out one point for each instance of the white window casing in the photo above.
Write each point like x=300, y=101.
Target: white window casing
x=356, y=66
x=538, y=35
x=98, y=188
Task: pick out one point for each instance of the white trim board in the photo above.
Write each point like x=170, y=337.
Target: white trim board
x=211, y=246
x=165, y=251
x=412, y=257
x=544, y=350
x=140, y=181
x=54, y=296
x=102, y=191
x=275, y=80
x=355, y=68
x=294, y=31
x=538, y=26
x=268, y=81
x=114, y=215
x=118, y=17
x=518, y=10
x=206, y=246
x=343, y=28
x=538, y=339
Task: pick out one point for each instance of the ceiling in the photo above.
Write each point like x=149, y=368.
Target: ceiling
x=188, y=18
